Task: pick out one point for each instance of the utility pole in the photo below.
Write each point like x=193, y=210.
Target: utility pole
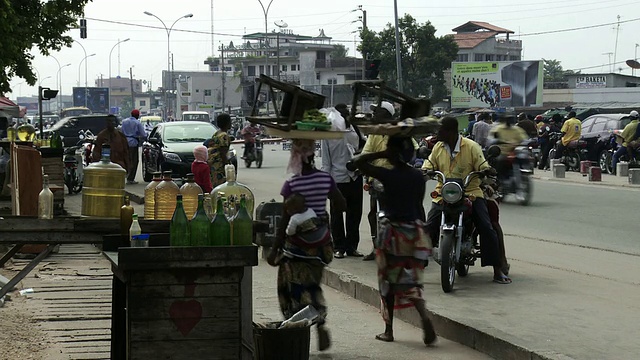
x=398, y=57
x=615, y=50
x=133, y=98
x=363, y=19
x=224, y=78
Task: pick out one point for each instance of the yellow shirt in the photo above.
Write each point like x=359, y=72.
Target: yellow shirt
x=572, y=129
x=467, y=160
x=628, y=132
x=377, y=143
x=511, y=136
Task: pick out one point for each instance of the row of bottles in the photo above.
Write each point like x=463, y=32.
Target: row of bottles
x=218, y=231
x=160, y=196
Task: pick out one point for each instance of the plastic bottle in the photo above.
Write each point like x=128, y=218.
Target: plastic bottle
x=45, y=200
x=190, y=191
x=199, y=226
x=126, y=218
x=150, y=196
x=165, y=197
x=235, y=189
x=220, y=230
x=179, y=226
x=242, y=225
x=135, y=230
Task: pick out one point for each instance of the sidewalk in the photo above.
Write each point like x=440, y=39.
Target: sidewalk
x=574, y=177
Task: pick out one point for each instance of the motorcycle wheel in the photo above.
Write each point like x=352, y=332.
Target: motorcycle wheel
x=259, y=160
x=146, y=175
x=77, y=188
x=573, y=161
x=247, y=163
x=462, y=269
x=448, y=262
x=527, y=190
x=605, y=162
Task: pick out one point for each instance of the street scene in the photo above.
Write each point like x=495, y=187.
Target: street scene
x=263, y=180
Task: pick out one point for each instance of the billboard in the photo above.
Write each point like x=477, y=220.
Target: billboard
x=97, y=98
x=590, y=82
x=496, y=84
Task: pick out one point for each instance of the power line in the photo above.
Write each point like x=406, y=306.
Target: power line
x=578, y=28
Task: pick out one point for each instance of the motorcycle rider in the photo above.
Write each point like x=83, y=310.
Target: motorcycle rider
x=571, y=131
x=457, y=156
x=627, y=135
x=507, y=138
x=544, y=134
x=249, y=134
x=527, y=125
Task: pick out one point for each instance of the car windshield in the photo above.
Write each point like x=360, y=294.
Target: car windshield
x=624, y=122
x=195, y=117
x=188, y=132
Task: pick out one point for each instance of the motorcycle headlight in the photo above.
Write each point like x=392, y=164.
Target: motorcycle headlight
x=171, y=156
x=451, y=192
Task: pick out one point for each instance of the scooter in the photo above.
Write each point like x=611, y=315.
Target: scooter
x=517, y=180
x=458, y=249
x=574, y=153
x=74, y=162
x=255, y=155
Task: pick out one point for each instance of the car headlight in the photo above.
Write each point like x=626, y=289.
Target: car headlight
x=451, y=192
x=171, y=156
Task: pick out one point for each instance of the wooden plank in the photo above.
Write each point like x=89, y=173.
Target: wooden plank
x=187, y=257
x=166, y=330
x=181, y=276
x=186, y=350
x=48, y=237
x=32, y=223
x=153, y=309
x=176, y=291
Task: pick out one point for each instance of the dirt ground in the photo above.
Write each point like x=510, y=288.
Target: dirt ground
x=20, y=337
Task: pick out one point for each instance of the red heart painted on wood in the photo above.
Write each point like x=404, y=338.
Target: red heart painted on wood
x=185, y=314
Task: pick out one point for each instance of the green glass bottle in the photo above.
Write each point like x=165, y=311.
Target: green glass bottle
x=179, y=227
x=242, y=225
x=220, y=229
x=200, y=225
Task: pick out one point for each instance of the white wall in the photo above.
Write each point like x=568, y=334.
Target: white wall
x=602, y=95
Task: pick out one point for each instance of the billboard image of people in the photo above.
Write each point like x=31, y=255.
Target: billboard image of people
x=97, y=98
x=496, y=84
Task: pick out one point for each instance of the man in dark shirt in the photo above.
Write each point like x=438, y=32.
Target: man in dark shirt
x=527, y=125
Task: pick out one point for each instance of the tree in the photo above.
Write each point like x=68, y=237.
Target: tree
x=424, y=56
x=339, y=51
x=553, y=71
x=28, y=24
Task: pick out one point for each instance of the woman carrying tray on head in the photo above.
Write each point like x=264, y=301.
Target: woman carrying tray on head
x=302, y=263
x=402, y=246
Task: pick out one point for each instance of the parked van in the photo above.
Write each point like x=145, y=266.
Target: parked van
x=196, y=116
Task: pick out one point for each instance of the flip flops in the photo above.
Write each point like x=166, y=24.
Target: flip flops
x=502, y=280
x=384, y=337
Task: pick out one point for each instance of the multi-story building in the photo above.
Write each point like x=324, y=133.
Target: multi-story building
x=119, y=89
x=208, y=91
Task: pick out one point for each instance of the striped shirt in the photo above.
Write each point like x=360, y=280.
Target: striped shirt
x=315, y=188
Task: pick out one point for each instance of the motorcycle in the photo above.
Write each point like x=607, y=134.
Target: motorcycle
x=458, y=248
x=517, y=180
x=574, y=153
x=255, y=155
x=605, y=160
x=75, y=158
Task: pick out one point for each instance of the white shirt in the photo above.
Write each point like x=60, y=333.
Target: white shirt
x=297, y=219
x=336, y=154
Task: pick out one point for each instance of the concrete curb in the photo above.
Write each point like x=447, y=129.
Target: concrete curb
x=594, y=183
x=489, y=341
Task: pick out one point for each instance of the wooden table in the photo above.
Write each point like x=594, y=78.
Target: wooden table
x=182, y=302
x=22, y=230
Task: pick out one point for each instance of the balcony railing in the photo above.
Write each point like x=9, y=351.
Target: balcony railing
x=293, y=79
x=338, y=63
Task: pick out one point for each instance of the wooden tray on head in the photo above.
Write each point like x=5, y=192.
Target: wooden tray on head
x=306, y=134
x=407, y=127
x=295, y=102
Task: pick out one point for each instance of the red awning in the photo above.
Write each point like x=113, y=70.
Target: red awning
x=6, y=102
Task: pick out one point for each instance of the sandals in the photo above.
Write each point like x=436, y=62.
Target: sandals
x=385, y=337
x=502, y=279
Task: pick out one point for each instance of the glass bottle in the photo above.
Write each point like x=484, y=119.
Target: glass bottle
x=242, y=225
x=11, y=133
x=190, y=191
x=235, y=189
x=45, y=200
x=135, y=230
x=150, y=196
x=179, y=227
x=26, y=132
x=126, y=218
x=199, y=226
x=207, y=206
x=165, y=197
x=220, y=230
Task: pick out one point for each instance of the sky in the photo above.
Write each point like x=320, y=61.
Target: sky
x=109, y=21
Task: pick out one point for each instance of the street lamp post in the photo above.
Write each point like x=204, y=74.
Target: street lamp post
x=635, y=57
x=59, y=77
x=85, y=56
x=170, y=80
x=85, y=76
x=398, y=57
x=265, y=11
x=110, y=52
x=282, y=25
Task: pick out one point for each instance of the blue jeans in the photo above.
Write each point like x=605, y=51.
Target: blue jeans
x=622, y=150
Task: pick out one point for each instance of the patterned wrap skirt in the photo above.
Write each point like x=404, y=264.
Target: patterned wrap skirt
x=402, y=249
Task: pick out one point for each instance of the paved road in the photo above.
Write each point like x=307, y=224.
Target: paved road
x=574, y=255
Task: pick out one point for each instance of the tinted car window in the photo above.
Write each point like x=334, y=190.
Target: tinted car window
x=586, y=124
x=612, y=125
x=624, y=122
x=598, y=125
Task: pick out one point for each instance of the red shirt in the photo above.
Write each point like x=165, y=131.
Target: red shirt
x=202, y=175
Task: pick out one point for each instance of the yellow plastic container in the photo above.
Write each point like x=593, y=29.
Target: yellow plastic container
x=190, y=191
x=165, y=197
x=150, y=196
x=103, y=189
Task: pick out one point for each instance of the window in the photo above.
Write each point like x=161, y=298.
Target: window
x=332, y=81
x=488, y=57
x=261, y=69
x=612, y=125
x=598, y=125
x=143, y=103
x=197, y=90
x=284, y=68
x=251, y=70
x=462, y=58
x=207, y=92
x=478, y=57
x=514, y=58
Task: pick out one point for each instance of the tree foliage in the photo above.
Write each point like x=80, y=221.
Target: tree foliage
x=425, y=57
x=553, y=71
x=27, y=25
x=339, y=51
